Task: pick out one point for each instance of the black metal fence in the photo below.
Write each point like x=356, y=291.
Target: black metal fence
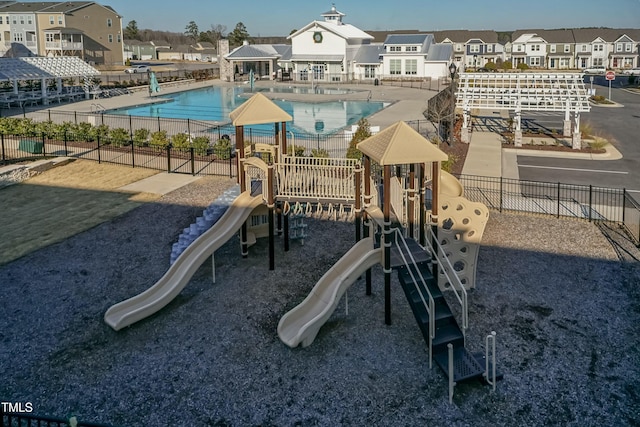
x=10, y=419
x=587, y=202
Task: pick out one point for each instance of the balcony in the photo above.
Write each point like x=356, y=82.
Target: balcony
x=64, y=45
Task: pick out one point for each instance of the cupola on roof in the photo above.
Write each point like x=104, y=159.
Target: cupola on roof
x=333, y=16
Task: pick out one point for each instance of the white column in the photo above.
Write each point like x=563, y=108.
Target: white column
x=576, y=141
x=566, y=124
x=517, y=133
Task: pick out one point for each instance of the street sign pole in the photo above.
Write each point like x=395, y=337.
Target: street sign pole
x=610, y=75
x=609, y=98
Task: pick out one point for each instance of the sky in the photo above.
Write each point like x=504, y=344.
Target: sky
x=279, y=17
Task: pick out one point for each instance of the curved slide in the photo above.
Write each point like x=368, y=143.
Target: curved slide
x=301, y=325
x=176, y=278
x=449, y=185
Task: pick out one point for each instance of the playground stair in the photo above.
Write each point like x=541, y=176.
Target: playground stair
x=466, y=366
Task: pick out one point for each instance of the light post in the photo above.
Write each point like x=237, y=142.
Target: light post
x=452, y=72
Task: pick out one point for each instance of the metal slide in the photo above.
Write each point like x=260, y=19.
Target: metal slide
x=301, y=325
x=176, y=278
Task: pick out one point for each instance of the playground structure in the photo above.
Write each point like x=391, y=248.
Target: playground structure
x=431, y=253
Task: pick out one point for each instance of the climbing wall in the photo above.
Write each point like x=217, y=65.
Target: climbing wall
x=460, y=229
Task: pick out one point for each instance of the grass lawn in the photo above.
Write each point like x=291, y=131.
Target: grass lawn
x=64, y=201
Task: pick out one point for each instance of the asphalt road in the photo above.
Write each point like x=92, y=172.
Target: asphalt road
x=618, y=124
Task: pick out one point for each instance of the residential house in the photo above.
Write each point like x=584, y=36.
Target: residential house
x=135, y=49
x=528, y=48
x=84, y=29
x=472, y=49
x=610, y=47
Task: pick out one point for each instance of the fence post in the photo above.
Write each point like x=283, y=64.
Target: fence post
x=64, y=138
x=193, y=161
x=590, y=201
x=558, y=204
x=49, y=114
x=133, y=155
x=44, y=149
x=624, y=203
x=501, y=194
x=159, y=124
x=230, y=161
x=168, y=159
x=2, y=143
x=98, y=140
x=75, y=117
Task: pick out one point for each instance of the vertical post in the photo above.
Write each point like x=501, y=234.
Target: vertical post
x=133, y=155
x=279, y=218
x=412, y=200
x=558, y=204
x=501, y=195
x=283, y=139
x=286, y=231
x=193, y=160
x=387, y=243
x=168, y=159
x=423, y=207
x=2, y=143
x=358, y=206
x=64, y=138
x=435, y=206
x=270, y=206
x=367, y=221
x=240, y=156
x=98, y=140
x=590, y=201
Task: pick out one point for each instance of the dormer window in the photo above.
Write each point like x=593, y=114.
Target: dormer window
x=395, y=49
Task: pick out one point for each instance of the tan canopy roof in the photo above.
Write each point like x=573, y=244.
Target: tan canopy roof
x=258, y=110
x=399, y=144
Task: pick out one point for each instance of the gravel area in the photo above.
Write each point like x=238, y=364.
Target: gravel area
x=565, y=309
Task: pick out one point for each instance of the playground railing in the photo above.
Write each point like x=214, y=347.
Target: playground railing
x=316, y=178
x=444, y=265
x=414, y=272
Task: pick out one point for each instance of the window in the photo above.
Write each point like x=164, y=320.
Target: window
x=395, y=66
x=51, y=20
x=21, y=20
x=598, y=48
x=411, y=66
x=534, y=62
x=474, y=48
x=584, y=48
x=395, y=48
x=110, y=38
x=48, y=37
x=14, y=19
x=627, y=47
x=618, y=47
x=18, y=37
x=411, y=49
x=60, y=20
x=489, y=48
x=552, y=48
x=458, y=47
x=109, y=22
x=29, y=20
x=535, y=48
x=118, y=38
x=1, y=20
x=519, y=48
x=567, y=48
x=369, y=71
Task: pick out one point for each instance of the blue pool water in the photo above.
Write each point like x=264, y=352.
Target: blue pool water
x=215, y=104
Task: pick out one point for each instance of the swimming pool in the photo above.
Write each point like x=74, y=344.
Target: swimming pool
x=215, y=104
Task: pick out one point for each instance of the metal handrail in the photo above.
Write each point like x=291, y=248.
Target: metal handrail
x=430, y=306
x=490, y=339
x=461, y=295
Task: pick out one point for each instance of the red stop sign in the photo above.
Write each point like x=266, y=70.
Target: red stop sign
x=610, y=75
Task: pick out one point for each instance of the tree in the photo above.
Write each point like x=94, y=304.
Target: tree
x=439, y=108
x=238, y=35
x=131, y=31
x=218, y=32
x=191, y=31
x=363, y=132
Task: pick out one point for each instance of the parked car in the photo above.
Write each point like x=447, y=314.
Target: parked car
x=632, y=71
x=596, y=69
x=138, y=69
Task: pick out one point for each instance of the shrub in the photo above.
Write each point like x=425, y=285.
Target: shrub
x=83, y=132
x=586, y=130
x=222, y=148
x=319, y=153
x=201, y=145
x=598, y=143
x=363, y=132
x=296, y=150
x=119, y=137
x=490, y=65
x=159, y=139
x=140, y=137
x=522, y=66
x=26, y=127
x=101, y=131
x=447, y=165
x=9, y=125
x=507, y=65
x=180, y=141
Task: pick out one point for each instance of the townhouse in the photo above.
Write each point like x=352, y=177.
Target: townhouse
x=84, y=29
